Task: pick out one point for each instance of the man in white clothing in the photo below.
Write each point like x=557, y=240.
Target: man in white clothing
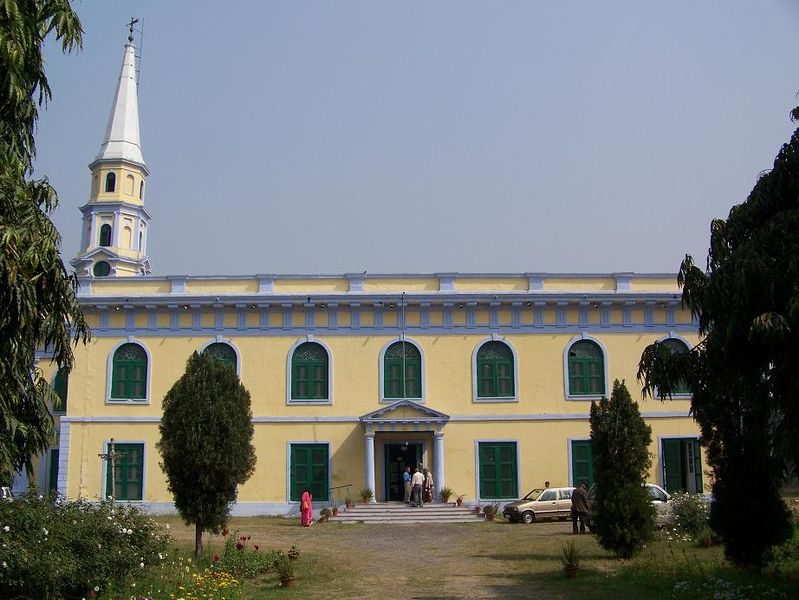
x=417, y=481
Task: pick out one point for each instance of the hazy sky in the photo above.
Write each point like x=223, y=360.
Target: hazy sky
x=331, y=137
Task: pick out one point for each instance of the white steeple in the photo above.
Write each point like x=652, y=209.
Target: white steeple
x=122, y=134
x=116, y=223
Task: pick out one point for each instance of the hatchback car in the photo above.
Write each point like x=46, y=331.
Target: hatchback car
x=547, y=503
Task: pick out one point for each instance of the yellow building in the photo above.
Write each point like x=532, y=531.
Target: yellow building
x=485, y=378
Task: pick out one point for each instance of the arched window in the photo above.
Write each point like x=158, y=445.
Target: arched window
x=676, y=346
x=127, y=237
x=495, y=371
x=402, y=371
x=60, y=386
x=309, y=372
x=222, y=352
x=105, y=235
x=110, y=182
x=141, y=190
x=101, y=269
x=129, y=183
x=129, y=374
x=586, y=369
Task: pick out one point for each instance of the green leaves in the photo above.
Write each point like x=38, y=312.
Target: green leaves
x=206, y=441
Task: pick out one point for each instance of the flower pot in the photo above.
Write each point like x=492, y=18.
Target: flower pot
x=489, y=517
x=458, y=502
x=571, y=571
x=287, y=581
x=348, y=504
x=335, y=511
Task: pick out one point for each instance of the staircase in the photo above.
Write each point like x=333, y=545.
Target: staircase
x=396, y=512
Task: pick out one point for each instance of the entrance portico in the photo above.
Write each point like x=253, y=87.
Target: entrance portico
x=403, y=428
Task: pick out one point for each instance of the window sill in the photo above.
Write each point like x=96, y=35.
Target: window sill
x=128, y=401
x=495, y=399
x=393, y=400
x=587, y=397
x=321, y=402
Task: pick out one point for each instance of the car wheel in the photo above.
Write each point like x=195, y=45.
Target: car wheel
x=527, y=517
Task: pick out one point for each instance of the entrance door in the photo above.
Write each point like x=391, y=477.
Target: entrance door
x=682, y=465
x=399, y=456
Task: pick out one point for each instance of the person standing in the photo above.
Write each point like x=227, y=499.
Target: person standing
x=418, y=482
x=579, y=506
x=406, y=481
x=428, y=485
x=306, y=508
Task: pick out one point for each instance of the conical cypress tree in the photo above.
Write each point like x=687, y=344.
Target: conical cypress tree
x=206, y=442
x=623, y=515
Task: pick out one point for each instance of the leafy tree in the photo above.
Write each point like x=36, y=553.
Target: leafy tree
x=40, y=310
x=623, y=515
x=206, y=442
x=744, y=374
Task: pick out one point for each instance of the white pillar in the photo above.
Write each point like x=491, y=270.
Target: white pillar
x=438, y=462
x=370, y=464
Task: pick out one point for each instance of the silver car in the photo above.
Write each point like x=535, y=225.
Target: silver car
x=548, y=503
x=660, y=500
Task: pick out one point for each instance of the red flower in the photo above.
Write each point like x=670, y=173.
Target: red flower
x=239, y=545
x=216, y=557
x=256, y=547
x=243, y=539
x=225, y=531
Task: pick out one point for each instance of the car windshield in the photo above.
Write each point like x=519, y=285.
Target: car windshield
x=534, y=494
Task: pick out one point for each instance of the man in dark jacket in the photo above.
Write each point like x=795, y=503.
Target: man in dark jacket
x=580, y=506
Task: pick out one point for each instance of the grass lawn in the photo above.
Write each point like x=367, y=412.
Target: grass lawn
x=482, y=560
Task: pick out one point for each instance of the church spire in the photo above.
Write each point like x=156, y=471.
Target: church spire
x=121, y=140
x=116, y=223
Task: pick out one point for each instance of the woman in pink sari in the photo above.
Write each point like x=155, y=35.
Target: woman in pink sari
x=306, y=509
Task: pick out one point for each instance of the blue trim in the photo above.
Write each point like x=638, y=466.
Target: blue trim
x=173, y=331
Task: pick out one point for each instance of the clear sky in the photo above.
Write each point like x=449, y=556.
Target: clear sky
x=436, y=136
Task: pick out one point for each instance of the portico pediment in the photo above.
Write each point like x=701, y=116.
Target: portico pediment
x=404, y=412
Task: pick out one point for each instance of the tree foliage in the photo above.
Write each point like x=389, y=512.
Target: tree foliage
x=206, y=442
x=744, y=375
x=622, y=511
x=40, y=311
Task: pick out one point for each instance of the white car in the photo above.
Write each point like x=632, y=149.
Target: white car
x=660, y=500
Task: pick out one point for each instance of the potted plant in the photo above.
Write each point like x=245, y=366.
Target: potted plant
x=445, y=494
x=366, y=494
x=570, y=559
x=293, y=553
x=348, y=502
x=285, y=570
x=324, y=514
x=459, y=499
x=477, y=509
x=490, y=511
x=335, y=511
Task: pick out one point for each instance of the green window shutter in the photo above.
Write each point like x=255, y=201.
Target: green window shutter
x=129, y=375
x=402, y=358
x=52, y=478
x=60, y=387
x=498, y=470
x=129, y=470
x=582, y=462
x=676, y=346
x=309, y=469
x=222, y=352
x=586, y=369
x=495, y=370
x=309, y=372
x=697, y=455
x=672, y=464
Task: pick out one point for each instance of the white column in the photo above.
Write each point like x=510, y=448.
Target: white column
x=438, y=462
x=370, y=464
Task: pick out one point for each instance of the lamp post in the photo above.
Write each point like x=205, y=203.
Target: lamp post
x=111, y=457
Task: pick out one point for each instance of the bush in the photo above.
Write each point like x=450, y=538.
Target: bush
x=52, y=548
x=244, y=560
x=689, y=513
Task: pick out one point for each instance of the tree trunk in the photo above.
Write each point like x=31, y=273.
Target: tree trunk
x=198, y=539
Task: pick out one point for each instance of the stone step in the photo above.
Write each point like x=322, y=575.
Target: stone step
x=402, y=513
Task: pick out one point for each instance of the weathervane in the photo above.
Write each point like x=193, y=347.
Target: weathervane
x=133, y=21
